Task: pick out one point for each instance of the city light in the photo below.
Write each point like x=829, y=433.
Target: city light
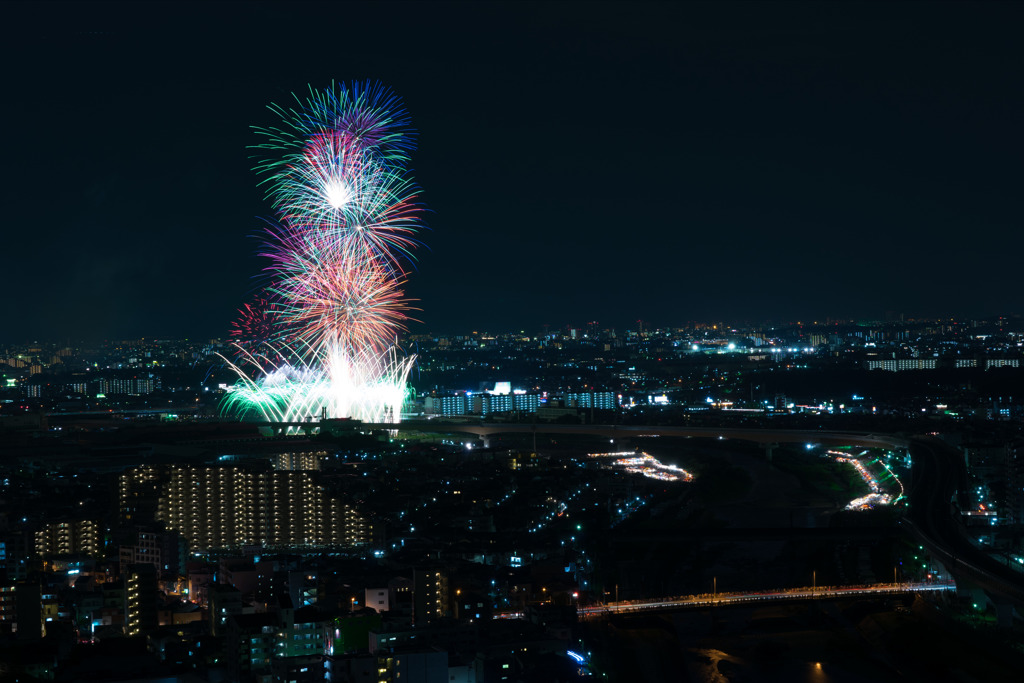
x=877, y=496
x=647, y=465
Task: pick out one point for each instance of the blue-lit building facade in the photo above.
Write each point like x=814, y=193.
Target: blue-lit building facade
x=486, y=403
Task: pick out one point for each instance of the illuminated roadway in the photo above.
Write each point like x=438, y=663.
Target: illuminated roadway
x=726, y=599
x=938, y=472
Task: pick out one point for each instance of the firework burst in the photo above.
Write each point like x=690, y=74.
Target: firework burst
x=355, y=306
x=335, y=172
x=366, y=114
x=254, y=324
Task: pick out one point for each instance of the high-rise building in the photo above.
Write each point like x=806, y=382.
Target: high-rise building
x=133, y=386
x=69, y=537
x=484, y=404
x=446, y=405
x=602, y=400
x=901, y=364
x=140, y=599
x=8, y=604
x=526, y=403
x=430, y=596
x=298, y=461
x=229, y=507
x=139, y=494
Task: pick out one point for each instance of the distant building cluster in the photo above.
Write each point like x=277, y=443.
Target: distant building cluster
x=486, y=403
x=568, y=374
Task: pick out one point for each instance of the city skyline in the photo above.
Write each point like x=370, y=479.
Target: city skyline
x=657, y=162
x=584, y=329
x=511, y=341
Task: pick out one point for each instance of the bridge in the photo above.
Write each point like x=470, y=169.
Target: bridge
x=767, y=438
x=734, y=599
x=483, y=430
x=762, y=436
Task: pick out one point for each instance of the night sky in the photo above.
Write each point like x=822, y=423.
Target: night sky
x=580, y=161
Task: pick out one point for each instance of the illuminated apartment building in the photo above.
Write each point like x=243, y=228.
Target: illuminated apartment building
x=298, y=461
x=139, y=494
x=446, y=405
x=228, y=507
x=21, y=609
x=7, y=603
x=604, y=400
x=210, y=506
x=901, y=364
x=430, y=596
x=140, y=599
x=79, y=537
x=132, y=386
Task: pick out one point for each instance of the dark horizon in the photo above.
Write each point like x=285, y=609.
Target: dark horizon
x=609, y=162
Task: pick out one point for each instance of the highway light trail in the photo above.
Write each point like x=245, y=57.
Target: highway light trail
x=805, y=593
x=647, y=465
x=877, y=496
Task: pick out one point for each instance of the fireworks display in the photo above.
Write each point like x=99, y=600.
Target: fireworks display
x=255, y=324
x=322, y=338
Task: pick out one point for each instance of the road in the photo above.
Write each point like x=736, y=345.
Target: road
x=938, y=474
x=764, y=436
x=806, y=593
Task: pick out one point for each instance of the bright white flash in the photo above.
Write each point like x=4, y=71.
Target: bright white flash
x=337, y=193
